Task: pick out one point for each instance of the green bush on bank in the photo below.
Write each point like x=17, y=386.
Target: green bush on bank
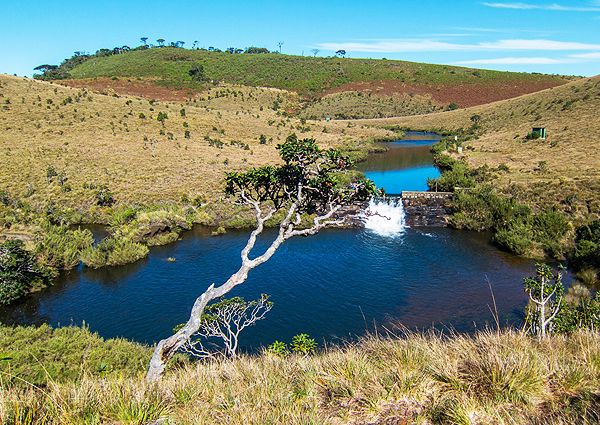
x=478, y=206
x=516, y=228
x=587, y=246
x=19, y=271
x=114, y=251
x=59, y=247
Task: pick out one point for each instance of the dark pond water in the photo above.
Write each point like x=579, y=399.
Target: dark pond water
x=332, y=285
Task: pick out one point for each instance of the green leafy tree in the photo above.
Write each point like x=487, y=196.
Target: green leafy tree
x=311, y=181
x=18, y=271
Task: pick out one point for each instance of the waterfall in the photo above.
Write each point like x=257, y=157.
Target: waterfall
x=385, y=216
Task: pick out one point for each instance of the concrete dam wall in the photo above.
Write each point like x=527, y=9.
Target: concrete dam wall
x=427, y=208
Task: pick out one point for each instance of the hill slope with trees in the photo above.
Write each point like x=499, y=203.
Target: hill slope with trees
x=390, y=82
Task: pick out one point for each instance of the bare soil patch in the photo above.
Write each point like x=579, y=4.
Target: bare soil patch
x=145, y=88
x=465, y=95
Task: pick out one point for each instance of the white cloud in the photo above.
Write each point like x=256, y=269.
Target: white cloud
x=538, y=60
x=553, y=6
x=426, y=45
x=538, y=45
x=515, y=61
x=593, y=55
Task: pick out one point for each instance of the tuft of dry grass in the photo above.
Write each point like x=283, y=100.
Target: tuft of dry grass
x=489, y=378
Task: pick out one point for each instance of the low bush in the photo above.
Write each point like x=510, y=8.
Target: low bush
x=587, y=246
x=59, y=247
x=516, y=239
x=19, y=271
x=114, y=251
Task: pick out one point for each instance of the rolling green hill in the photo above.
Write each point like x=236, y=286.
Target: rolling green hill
x=306, y=75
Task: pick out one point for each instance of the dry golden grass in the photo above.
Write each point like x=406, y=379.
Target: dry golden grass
x=356, y=104
x=101, y=139
x=567, y=163
x=491, y=378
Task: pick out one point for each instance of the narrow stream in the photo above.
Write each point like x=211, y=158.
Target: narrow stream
x=336, y=284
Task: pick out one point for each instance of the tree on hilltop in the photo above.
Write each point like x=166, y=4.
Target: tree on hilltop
x=315, y=52
x=144, y=40
x=45, y=67
x=310, y=182
x=161, y=42
x=341, y=53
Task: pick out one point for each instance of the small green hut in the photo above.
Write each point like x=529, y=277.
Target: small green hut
x=539, y=132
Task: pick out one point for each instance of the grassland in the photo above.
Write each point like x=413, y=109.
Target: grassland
x=489, y=378
x=92, y=140
x=563, y=170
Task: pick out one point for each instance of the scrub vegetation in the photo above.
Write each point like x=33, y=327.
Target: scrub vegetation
x=492, y=377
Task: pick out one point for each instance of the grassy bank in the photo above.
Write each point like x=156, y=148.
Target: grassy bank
x=489, y=378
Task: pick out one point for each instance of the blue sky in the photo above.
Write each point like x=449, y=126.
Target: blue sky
x=536, y=36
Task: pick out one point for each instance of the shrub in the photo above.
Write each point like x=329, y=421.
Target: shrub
x=278, y=348
x=162, y=117
x=114, y=251
x=197, y=73
x=550, y=226
x=458, y=176
x=19, y=271
x=59, y=247
x=37, y=355
x=104, y=196
x=587, y=246
x=516, y=238
x=303, y=344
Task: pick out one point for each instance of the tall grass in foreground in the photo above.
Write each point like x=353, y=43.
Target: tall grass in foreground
x=489, y=378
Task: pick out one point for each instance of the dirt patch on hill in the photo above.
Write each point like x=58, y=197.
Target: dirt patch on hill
x=148, y=89
x=465, y=95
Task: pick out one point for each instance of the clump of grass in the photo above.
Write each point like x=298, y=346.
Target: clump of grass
x=114, y=251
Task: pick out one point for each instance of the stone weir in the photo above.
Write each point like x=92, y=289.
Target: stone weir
x=426, y=208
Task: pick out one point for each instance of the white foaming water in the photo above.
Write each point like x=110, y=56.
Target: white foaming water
x=385, y=217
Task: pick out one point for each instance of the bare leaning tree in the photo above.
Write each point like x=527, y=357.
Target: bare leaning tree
x=312, y=182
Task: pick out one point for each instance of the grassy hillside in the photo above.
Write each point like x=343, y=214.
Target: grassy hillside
x=96, y=139
x=562, y=170
x=490, y=378
x=316, y=76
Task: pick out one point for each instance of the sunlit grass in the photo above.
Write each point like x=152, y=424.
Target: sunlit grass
x=491, y=378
